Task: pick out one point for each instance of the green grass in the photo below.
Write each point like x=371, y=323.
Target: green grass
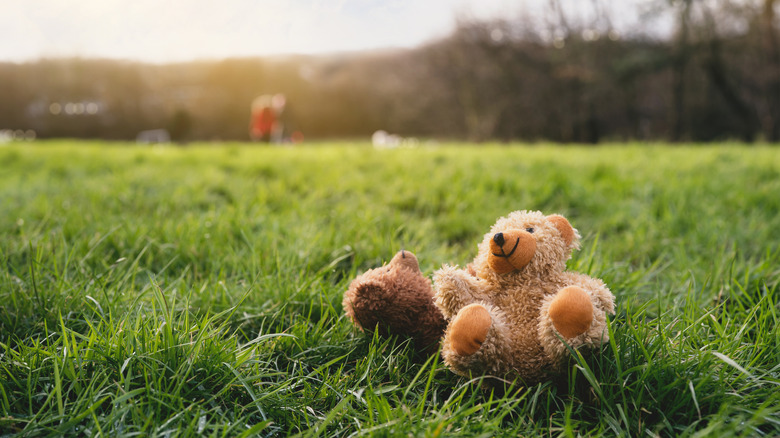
x=196, y=291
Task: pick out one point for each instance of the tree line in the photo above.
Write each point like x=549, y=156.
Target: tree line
x=715, y=76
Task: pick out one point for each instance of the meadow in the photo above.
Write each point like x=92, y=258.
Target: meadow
x=196, y=291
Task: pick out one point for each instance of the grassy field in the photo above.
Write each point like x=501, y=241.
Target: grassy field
x=197, y=291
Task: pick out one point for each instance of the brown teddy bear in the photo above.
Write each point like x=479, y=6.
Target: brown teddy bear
x=512, y=309
x=507, y=315
x=396, y=299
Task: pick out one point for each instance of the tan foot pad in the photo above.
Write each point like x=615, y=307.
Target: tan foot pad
x=571, y=311
x=469, y=329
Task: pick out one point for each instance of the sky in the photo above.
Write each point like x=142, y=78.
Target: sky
x=182, y=30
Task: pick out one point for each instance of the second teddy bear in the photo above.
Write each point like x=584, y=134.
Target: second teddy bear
x=396, y=299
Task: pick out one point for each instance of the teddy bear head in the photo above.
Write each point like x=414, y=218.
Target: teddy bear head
x=525, y=243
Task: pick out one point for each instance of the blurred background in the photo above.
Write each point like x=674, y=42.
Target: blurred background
x=582, y=71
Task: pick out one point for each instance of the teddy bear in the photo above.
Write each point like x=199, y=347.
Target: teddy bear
x=510, y=314
x=396, y=299
x=515, y=309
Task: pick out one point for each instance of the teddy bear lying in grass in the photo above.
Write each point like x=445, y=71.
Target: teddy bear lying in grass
x=396, y=299
x=509, y=314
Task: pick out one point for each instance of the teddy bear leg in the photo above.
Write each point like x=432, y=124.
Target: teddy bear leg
x=469, y=329
x=571, y=311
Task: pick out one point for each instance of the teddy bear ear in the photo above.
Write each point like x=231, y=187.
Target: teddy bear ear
x=564, y=227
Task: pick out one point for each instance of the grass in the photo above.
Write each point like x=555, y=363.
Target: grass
x=196, y=291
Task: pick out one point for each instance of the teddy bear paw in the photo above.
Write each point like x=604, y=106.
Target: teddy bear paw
x=469, y=329
x=571, y=311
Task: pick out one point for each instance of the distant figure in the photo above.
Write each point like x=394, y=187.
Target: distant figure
x=265, y=123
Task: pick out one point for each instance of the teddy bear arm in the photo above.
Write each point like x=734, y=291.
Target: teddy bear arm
x=454, y=289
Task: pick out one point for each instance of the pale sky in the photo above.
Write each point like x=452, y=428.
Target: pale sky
x=179, y=30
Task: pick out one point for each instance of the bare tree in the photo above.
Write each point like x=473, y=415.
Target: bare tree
x=771, y=45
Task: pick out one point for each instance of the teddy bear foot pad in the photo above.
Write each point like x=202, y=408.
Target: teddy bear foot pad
x=571, y=311
x=469, y=329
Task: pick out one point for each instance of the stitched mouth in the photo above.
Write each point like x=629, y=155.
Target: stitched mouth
x=505, y=255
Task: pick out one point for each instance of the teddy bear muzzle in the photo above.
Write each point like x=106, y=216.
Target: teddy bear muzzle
x=511, y=250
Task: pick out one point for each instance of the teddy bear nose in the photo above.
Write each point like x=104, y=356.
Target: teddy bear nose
x=499, y=239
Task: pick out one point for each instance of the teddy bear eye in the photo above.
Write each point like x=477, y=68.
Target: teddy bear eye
x=530, y=230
